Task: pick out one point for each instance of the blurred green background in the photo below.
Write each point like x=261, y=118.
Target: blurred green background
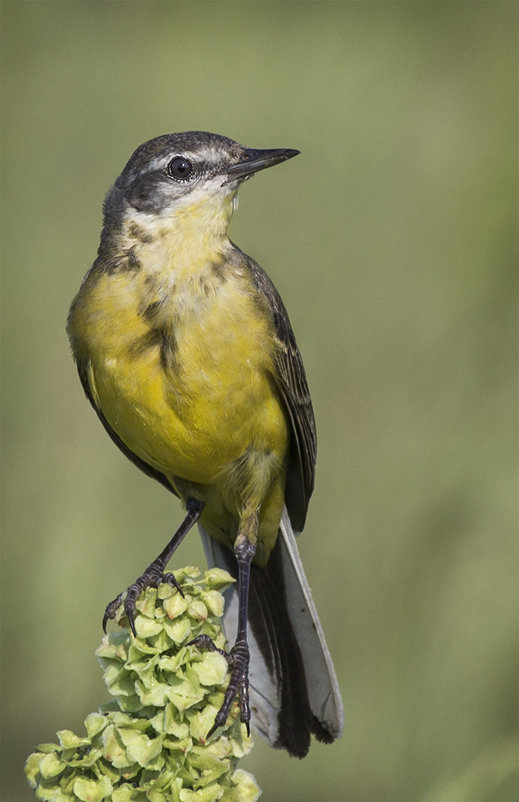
x=392, y=240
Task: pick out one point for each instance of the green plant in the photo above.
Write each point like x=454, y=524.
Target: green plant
x=150, y=741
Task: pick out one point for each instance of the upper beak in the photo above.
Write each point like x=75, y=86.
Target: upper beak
x=255, y=160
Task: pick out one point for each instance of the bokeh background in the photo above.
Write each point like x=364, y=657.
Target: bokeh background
x=392, y=240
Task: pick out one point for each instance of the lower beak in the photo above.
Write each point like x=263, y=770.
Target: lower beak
x=256, y=160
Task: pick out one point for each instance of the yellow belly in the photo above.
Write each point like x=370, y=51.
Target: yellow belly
x=201, y=406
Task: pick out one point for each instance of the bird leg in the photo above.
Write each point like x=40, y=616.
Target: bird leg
x=155, y=572
x=238, y=657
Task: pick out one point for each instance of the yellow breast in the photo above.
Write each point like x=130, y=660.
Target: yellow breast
x=183, y=374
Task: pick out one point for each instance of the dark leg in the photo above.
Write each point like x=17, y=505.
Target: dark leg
x=239, y=655
x=154, y=573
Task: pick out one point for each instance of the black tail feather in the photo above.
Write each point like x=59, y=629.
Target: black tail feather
x=268, y=618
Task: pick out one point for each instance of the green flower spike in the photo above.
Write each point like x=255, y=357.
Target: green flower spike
x=149, y=743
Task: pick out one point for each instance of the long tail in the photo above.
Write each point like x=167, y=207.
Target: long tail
x=293, y=687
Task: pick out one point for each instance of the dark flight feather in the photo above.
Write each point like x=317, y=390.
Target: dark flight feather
x=291, y=382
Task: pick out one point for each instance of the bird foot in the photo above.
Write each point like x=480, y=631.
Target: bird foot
x=152, y=577
x=238, y=661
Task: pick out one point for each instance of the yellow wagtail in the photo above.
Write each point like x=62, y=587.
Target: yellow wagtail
x=186, y=352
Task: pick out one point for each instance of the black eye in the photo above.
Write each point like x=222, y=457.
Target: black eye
x=180, y=168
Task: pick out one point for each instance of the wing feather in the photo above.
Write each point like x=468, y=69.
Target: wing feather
x=293, y=387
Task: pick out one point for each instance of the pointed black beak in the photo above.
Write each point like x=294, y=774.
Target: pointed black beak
x=255, y=160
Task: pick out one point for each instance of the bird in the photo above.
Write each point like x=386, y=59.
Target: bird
x=185, y=350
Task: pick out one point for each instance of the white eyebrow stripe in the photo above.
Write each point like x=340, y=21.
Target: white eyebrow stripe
x=210, y=155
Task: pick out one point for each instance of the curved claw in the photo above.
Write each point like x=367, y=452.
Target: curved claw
x=111, y=610
x=171, y=580
x=151, y=578
x=129, y=606
x=219, y=721
x=154, y=573
x=238, y=660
